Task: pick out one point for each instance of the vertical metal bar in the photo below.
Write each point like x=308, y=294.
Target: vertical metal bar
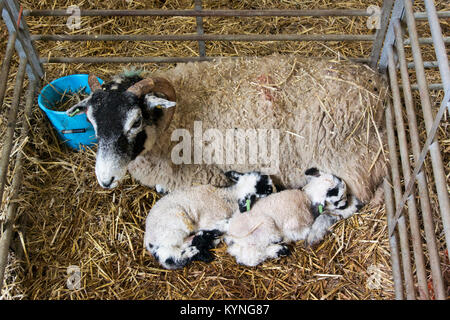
x=401, y=223
x=421, y=179
x=24, y=45
x=11, y=211
x=395, y=258
x=439, y=46
x=397, y=13
x=381, y=32
x=5, y=66
x=12, y=117
x=435, y=154
x=201, y=44
x=404, y=156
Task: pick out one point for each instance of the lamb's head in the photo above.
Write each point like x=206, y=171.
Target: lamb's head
x=325, y=190
x=127, y=116
x=249, y=187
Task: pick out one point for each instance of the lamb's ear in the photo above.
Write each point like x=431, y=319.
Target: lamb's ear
x=317, y=209
x=233, y=175
x=312, y=172
x=246, y=203
x=80, y=107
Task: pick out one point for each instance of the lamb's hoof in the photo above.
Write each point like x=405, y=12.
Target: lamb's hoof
x=205, y=239
x=359, y=204
x=204, y=256
x=284, y=251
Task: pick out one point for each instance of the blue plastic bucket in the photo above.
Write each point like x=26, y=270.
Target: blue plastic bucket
x=75, y=131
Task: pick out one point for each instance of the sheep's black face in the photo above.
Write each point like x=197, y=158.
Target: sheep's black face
x=124, y=113
x=119, y=120
x=119, y=124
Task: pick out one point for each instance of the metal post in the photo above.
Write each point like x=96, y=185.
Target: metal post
x=395, y=258
x=5, y=66
x=12, y=117
x=204, y=13
x=203, y=37
x=436, y=159
x=421, y=179
x=24, y=46
x=401, y=223
x=11, y=211
x=397, y=13
x=439, y=46
x=199, y=20
x=381, y=32
x=404, y=155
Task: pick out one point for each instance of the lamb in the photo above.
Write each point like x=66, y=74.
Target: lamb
x=289, y=215
x=183, y=225
x=287, y=113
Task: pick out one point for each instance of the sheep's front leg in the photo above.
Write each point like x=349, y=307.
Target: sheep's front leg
x=320, y=227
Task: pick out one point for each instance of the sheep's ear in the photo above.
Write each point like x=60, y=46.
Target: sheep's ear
x=233, y=175
x=152, y=101
x=79, y=108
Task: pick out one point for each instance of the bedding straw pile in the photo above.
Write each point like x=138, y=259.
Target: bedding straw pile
x=66, y=219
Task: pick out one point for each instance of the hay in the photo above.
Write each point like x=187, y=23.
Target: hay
x=68, y=220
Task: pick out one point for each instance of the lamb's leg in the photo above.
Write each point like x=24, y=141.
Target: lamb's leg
x=204, y=241
x=320, y=227
x=277, y=250
x=256, y=245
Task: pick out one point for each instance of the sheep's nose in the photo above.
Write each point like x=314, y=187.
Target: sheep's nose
x=107, y=184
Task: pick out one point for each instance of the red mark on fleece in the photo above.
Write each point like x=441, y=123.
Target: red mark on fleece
x=268, y=89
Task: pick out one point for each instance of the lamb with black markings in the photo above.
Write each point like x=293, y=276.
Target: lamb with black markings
x=185, y=224
x=288, y=216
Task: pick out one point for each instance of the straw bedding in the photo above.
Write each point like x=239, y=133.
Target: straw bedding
x=67, y=219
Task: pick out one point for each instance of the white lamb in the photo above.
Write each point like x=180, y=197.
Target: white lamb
x=183, y=225
x=289, y=215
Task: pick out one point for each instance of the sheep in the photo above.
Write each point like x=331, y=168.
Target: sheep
x=286, y=113
x=183, y=225
x=289, y=215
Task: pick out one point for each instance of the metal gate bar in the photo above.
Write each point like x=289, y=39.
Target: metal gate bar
x=401, y=221
x=404, y=157
x=436, y=159
x=11, y=210
x=5, y=66
x=393, y=241
x=395, y=37
x=421, y=179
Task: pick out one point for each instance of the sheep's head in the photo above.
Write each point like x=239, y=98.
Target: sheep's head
x=127, y=117
x=249, y=187
x=325, y=190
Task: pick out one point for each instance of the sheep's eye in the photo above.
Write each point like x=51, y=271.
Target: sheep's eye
x=137, y=124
